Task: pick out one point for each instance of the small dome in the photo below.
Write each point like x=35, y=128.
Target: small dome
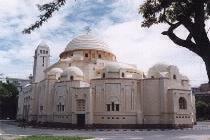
x=73, y=71
x=159, y=70
x=55, y=71
x=185, y=78
x=27, y=85
x=160, y=67
x=115, y=67
x=163, y=70
x=112, y=68
x=87, y=42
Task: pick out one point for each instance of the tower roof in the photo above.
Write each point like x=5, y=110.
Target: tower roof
x=42, y=44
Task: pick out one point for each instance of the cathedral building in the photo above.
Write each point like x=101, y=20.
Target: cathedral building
x=89, y=87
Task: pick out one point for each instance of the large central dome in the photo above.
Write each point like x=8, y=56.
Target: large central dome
x=87, y=42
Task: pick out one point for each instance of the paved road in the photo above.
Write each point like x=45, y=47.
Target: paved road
x=9, y=130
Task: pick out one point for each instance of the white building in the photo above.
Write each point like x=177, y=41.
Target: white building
x=89, y=87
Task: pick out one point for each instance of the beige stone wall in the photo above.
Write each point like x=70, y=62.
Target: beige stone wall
x=120, y=91
x=152, y=101
x=89, y=54
x=161, y=104
x=107, y=92
x=183, y=116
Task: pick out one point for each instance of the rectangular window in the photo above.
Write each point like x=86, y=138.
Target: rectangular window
x=86, y=54
x=43, y=61
x=41, y=108
x=112, y=106
x=117, y=107
x=40, y=51
x=62, y=107
x=108, y=107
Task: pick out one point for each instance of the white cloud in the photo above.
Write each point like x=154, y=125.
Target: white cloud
x=146, y=47
x=120, y=27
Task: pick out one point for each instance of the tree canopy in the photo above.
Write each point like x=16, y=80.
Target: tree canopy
x=202, y=107
x=191, y=14
x=46, y=12
x=8, y=100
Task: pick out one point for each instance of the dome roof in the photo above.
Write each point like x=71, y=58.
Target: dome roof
x=74, y=71
x=160, y=67
x=87, y=42
x=112, y=67
x=115, y=67
x=43, y=43
x=55, y=71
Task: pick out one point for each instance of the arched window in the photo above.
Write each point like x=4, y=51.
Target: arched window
x=123, y=74
x=71, y=77
x=113, y=107
x=182, y=103
x=103, y=75
x=113, y=104
x=174, y=76
x=60, y=107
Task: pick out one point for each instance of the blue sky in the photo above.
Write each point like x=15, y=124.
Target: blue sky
x=115, y=21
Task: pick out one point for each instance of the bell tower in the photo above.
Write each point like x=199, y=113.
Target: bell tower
x=41, y=61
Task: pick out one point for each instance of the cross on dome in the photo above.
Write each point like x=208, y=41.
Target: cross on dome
x=88, y=29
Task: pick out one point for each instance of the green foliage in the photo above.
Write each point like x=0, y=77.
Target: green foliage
x=191, y=14
x=52, y=138
x=47, y=9
x=8, y=100
x=170, y=11
x=8, y=89
x=203, y=108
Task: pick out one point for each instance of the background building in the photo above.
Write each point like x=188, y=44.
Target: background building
x=19, y=83
x=202, y=96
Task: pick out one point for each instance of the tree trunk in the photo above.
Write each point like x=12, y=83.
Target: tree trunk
x=206, y=60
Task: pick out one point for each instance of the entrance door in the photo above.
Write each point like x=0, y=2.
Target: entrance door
x=80, y=120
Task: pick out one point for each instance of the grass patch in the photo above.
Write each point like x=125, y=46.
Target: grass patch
x=52, y=138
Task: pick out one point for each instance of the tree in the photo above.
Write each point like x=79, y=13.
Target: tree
x=202, y=104
x=8, y=100
x=48, y=9
x=191, y=14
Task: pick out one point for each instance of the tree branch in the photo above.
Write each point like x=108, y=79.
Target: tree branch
x=164, y=17
x=184, y=43
x=48, y=10
x=189, y=37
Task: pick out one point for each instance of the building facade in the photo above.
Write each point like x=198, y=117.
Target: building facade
x=202, y=91
x=19, y=83
x=89, y=87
